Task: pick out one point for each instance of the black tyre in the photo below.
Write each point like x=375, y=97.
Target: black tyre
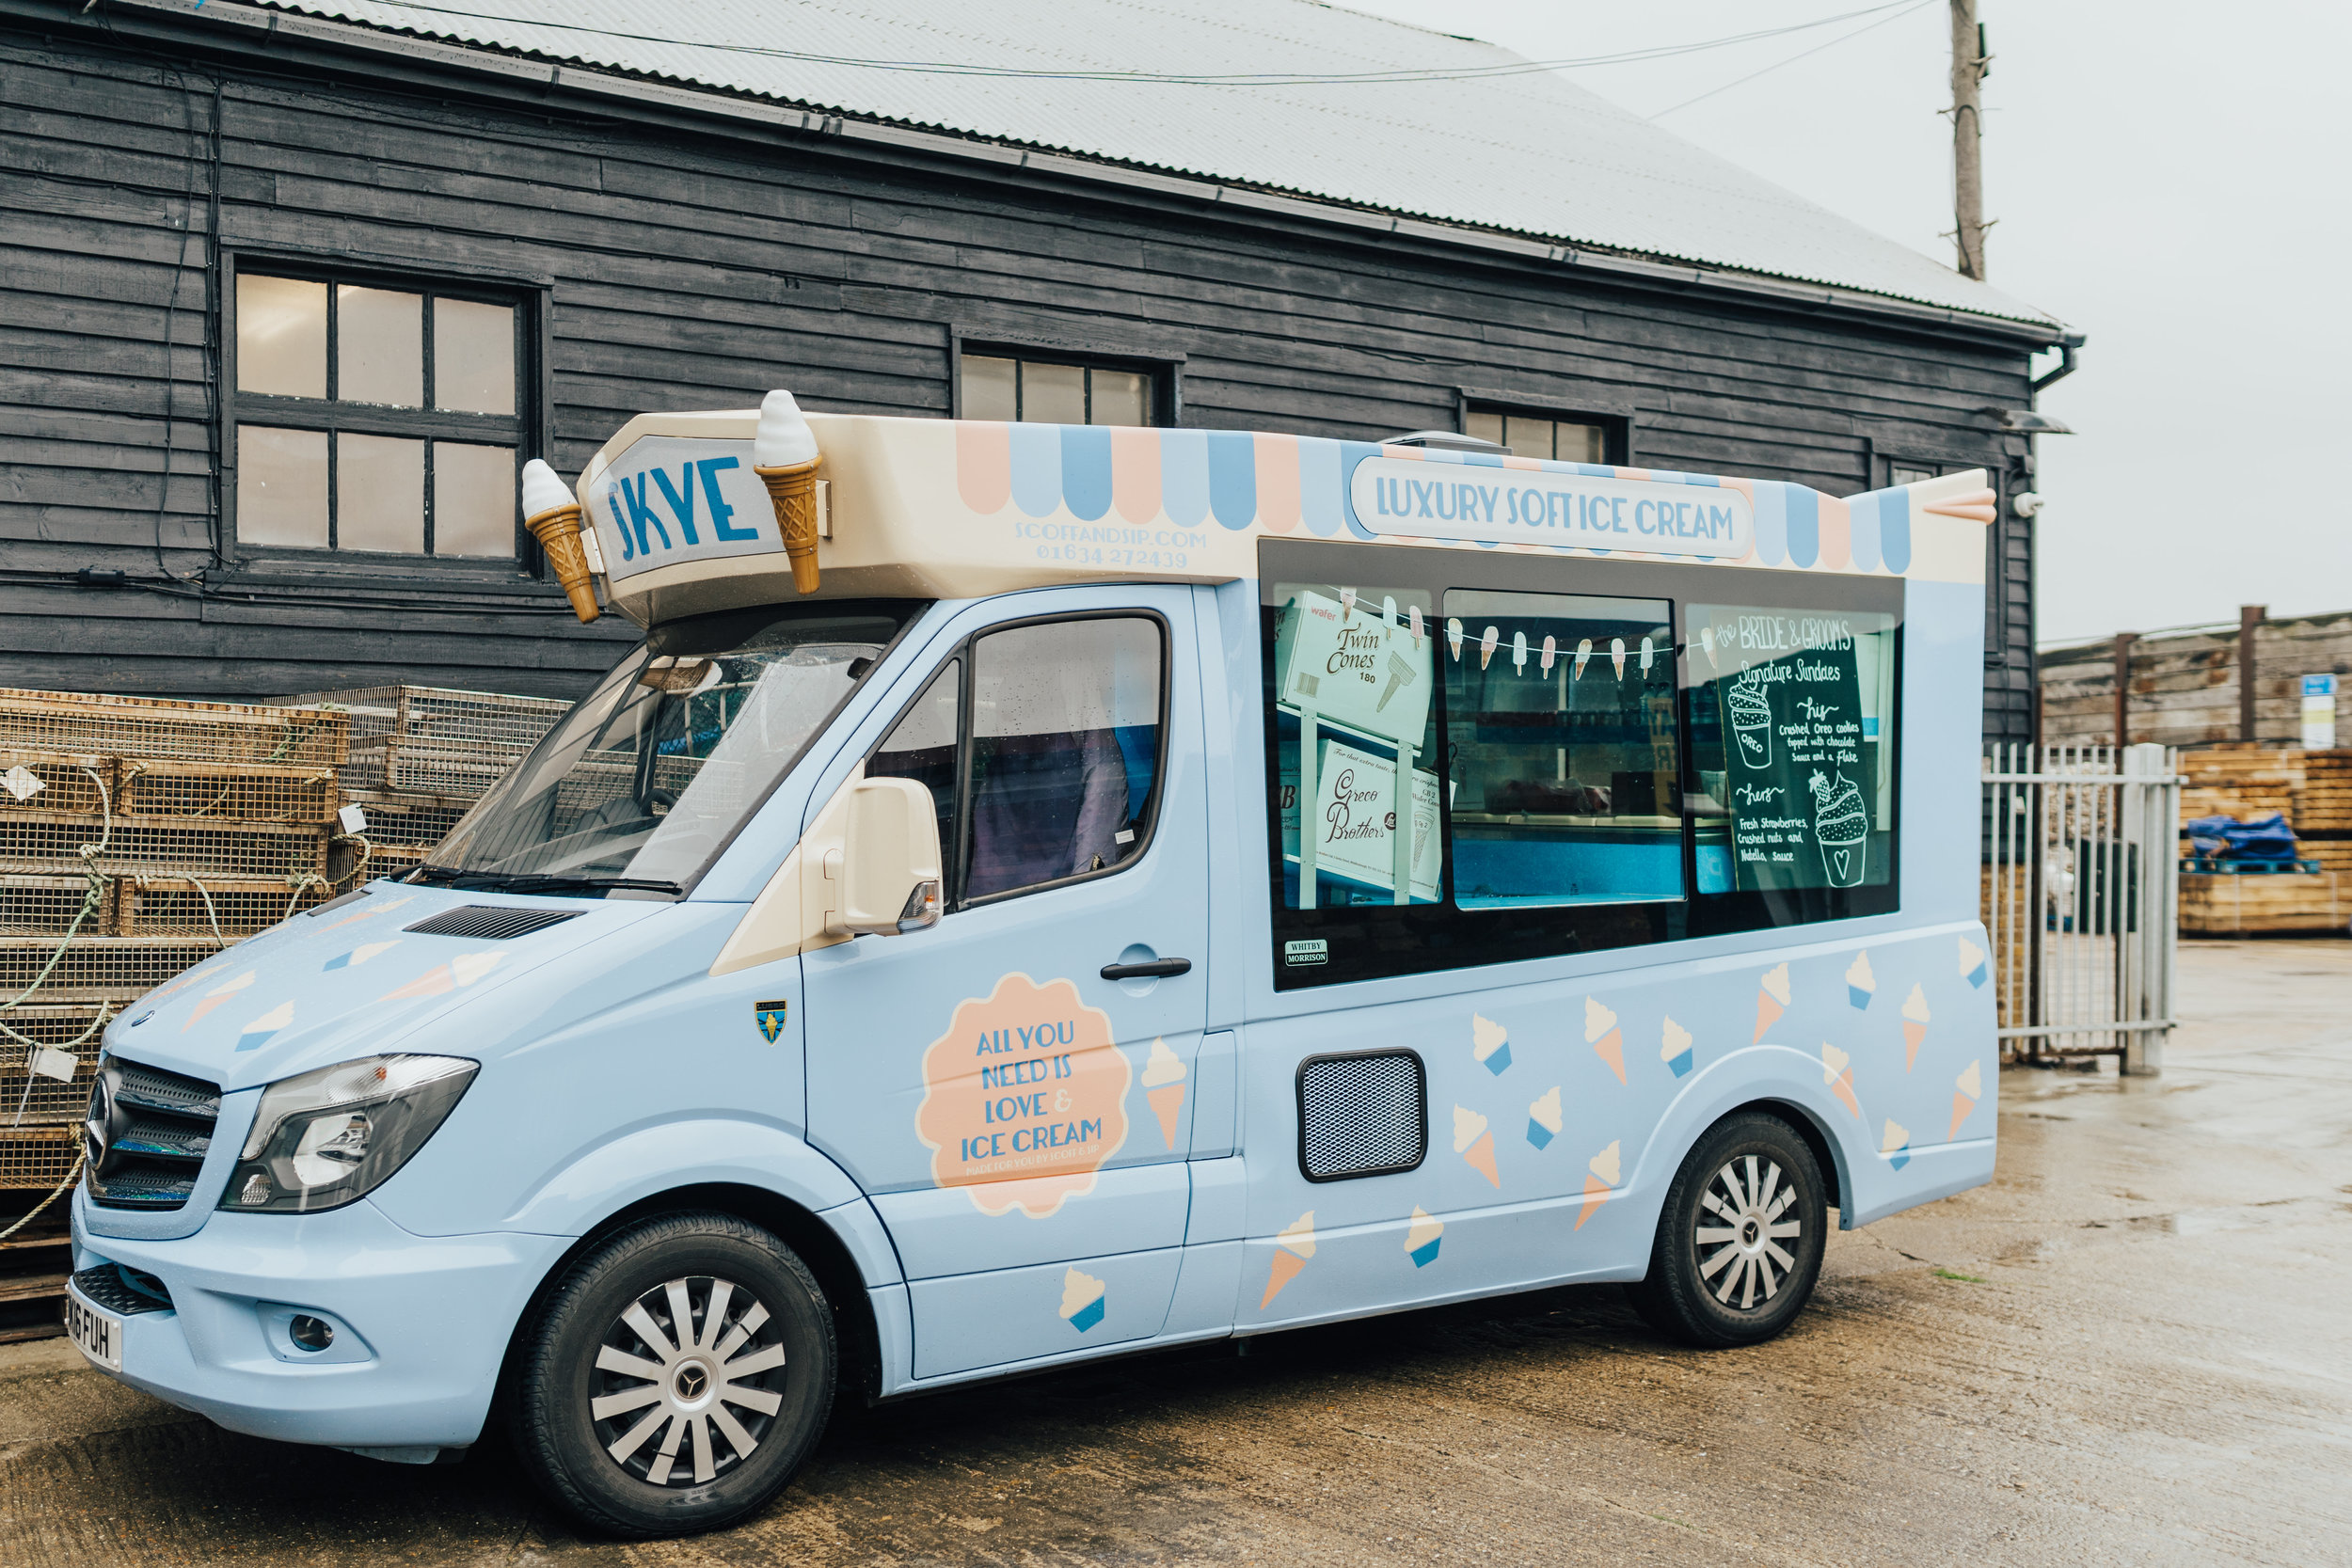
x=1740, y=1241
x=636, y=1429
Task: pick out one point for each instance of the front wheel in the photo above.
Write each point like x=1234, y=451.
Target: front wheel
x=678, y=1376
x=1740, y=1241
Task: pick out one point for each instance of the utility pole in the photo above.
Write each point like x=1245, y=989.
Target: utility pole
x=1969, y=63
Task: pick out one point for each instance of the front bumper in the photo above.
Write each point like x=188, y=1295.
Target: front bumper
x=423, y=1323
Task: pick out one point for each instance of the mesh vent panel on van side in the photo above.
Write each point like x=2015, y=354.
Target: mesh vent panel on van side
x=490, y=922
x=1361, y=1115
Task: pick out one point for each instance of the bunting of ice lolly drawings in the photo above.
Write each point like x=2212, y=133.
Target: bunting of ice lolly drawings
x=1915, y=1025
x=1347, y=605
x=256, y=1033
x=1082, y=1299
x=1675, y=1049
x=1518, y=653
x=1896, y=1145
x=1486, y=645
x=214, y=997
x=1647, y=655
x=1583, y=653
x=1967, y=1090
x=1476, y=1142
x=1602, y=1034
x=1837, y=1073
x=1293, y=1246
x=1861, y=985
x=1772, y=999
x=1551, y=652
x=1490, y=1043
x=1413, y=623
x=1602, y=1175
x=1972, y=963
x=1454, y=638
x=1616, y=654
x=1543, y=1117
x=1388, y=610
x=1422, y=1237
x=1164, y=1086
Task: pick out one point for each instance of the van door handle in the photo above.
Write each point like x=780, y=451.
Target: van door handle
x=1158, y=969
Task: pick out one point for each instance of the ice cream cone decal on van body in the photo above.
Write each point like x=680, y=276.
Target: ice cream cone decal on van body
x=1600, y=1177
x=1422, y=1236
x=1673, y=1048
x=1082, y=1298
x=1475, y=1141
x=1837, y=1073
x=1772, y=999
x=1490, y=1043
x=1896, y=1145
x=1972, y=963
x=1966, y=1090
x=1861, y=985
x=1164, y=1086
x=1602, y=1034
x=1293, y=1246
x=1543, y=1117
x=1914, y=1025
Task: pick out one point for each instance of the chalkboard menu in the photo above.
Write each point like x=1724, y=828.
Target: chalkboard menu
x=1803, y=701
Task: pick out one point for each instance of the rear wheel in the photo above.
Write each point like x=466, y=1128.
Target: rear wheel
x=676, y=1379
x=1740, y=1241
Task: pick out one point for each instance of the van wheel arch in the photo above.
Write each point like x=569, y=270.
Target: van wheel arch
x=1825, y=1151
x=798, y=1228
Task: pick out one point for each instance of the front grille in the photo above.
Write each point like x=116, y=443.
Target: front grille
x=1365, y=1113
x=490, y=922
x=122, y=1291
x=146, y=1135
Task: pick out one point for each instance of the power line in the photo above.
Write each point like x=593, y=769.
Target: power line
x=1236, y=79
x=1920, y=4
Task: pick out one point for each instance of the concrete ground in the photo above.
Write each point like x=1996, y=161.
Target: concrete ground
x=2133, y=1347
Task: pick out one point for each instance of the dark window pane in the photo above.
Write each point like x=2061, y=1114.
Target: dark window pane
x=282, y=337
x=988, y=388
x=1560, y=736
x=473, y=357
x=282, y=487
x=379, y=494
x=1065, y=749
x=379, y=346
x=473, y=499
x=922, y=746
x=1053, y=394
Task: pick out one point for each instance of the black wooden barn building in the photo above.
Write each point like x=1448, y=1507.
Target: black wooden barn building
x=286, y=292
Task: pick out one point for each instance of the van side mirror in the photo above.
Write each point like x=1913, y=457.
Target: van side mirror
x=889, y=871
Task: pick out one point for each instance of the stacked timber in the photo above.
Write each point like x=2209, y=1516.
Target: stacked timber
x=2290, y=904
x=420, y=757
x=2313, y=790
x=138, y=836
x=2244, y=782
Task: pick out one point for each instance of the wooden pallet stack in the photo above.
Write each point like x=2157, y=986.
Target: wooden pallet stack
x=138, y=837
x=420, y=757
x=2313, y=791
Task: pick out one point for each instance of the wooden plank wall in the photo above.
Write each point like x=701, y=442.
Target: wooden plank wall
x=692, y=271
x=2185, y=688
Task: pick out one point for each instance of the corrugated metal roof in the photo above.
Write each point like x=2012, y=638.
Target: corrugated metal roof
x=1531, y=155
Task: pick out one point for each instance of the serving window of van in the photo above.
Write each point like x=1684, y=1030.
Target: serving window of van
x=1479, y=759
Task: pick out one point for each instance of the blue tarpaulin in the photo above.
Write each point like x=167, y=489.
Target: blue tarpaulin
x=2263, y=838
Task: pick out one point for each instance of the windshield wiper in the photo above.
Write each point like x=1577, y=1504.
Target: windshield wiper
x=535, y=881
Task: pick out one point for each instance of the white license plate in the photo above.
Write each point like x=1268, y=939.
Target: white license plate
x=96, y=1332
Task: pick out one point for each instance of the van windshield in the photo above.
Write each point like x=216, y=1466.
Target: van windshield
x=643, y=783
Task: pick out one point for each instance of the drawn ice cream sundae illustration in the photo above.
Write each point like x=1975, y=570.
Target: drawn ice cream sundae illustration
x=1543, y=1117
x=1476, y=1142
x=1861, y=985
x=1673, y=1048
x=1602, y=1034
x=1293, y=1246
x=1771, y=998
x=1840, y=826
x=1454, y=638
x=1967, y=1090
x=1837, y=1073
x=1422, y=1236
x=1487, y=646
x=1602, y=1175
x=1164, y=1086
x=1490, y=1043
x=1751, y=722
x=1082, y=1298
x=1915, y=1025
x=1896, y=1145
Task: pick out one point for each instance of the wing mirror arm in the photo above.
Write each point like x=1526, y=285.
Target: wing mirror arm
x=888, y=866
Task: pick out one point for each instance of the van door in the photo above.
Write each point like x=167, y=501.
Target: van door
x=1012, y=1085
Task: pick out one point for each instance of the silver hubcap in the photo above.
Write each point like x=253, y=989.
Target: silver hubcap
x=1740, y=1231
x=688, y=1382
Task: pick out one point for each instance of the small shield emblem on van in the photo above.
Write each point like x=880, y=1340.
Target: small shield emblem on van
x=770, y=1016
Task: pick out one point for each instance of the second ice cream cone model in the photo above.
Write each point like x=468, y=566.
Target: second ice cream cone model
x=552, y=516
x=785, y=456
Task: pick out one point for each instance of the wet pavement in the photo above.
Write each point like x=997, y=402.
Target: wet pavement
x=2133, y=1347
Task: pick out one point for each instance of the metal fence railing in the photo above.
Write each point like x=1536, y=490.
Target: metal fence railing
x=2081, y=897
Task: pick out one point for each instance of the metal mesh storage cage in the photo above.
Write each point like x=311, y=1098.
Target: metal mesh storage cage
x=435, y=741
x=75, y=722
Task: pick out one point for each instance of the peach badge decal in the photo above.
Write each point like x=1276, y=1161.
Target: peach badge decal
x=1024, y=1097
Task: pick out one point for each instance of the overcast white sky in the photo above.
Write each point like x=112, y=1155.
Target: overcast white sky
x=2169, y=178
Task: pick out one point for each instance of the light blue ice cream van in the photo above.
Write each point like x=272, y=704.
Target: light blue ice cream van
x=1137, y=887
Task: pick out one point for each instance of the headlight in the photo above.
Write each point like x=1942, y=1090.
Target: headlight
x=328, y=1137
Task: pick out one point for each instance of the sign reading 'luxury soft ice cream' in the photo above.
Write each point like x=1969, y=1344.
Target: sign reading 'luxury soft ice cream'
x=1800, y=742
x=1453, y=500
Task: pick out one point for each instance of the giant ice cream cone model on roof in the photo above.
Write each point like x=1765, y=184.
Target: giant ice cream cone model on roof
x=785, y=456
x=553, y=518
